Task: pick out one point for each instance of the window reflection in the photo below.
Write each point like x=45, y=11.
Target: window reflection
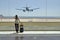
x=19, y=38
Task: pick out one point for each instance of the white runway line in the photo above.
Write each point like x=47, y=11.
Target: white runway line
x=31, y=32
x=7, y=32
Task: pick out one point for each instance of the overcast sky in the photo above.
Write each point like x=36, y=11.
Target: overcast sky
x=46, y=7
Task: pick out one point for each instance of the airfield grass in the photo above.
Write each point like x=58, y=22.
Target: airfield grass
x=31, y=23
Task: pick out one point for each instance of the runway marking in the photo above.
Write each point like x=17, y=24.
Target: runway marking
x=31, y=32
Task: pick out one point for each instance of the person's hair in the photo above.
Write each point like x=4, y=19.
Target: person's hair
x=16, y=16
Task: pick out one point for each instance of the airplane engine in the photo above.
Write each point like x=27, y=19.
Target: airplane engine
x=23, y=10
x=31, y=10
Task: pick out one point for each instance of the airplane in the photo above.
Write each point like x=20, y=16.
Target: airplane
x=27, y=9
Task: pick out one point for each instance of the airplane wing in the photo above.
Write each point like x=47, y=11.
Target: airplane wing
x=19, y=9
x=35, y=8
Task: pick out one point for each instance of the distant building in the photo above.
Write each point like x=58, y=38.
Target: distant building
x=1, y=16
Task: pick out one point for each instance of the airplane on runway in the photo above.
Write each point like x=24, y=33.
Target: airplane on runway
x=27, y=9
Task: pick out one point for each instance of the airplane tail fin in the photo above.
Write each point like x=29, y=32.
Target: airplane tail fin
x=26, y=6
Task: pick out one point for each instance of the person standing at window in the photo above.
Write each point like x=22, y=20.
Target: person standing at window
x=16, y=23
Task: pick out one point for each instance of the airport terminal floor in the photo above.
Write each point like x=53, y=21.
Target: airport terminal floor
x=8, y=33
x=30, y=35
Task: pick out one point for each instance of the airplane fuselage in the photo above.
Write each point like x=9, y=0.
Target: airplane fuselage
x=27, y=8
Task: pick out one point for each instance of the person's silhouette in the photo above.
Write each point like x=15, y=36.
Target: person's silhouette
x=17, y=23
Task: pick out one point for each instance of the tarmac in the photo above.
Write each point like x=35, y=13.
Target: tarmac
x=33, y=28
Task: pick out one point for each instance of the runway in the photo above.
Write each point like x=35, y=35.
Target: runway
x=30, y=35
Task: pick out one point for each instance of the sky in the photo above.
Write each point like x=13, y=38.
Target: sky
x=47, y=8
